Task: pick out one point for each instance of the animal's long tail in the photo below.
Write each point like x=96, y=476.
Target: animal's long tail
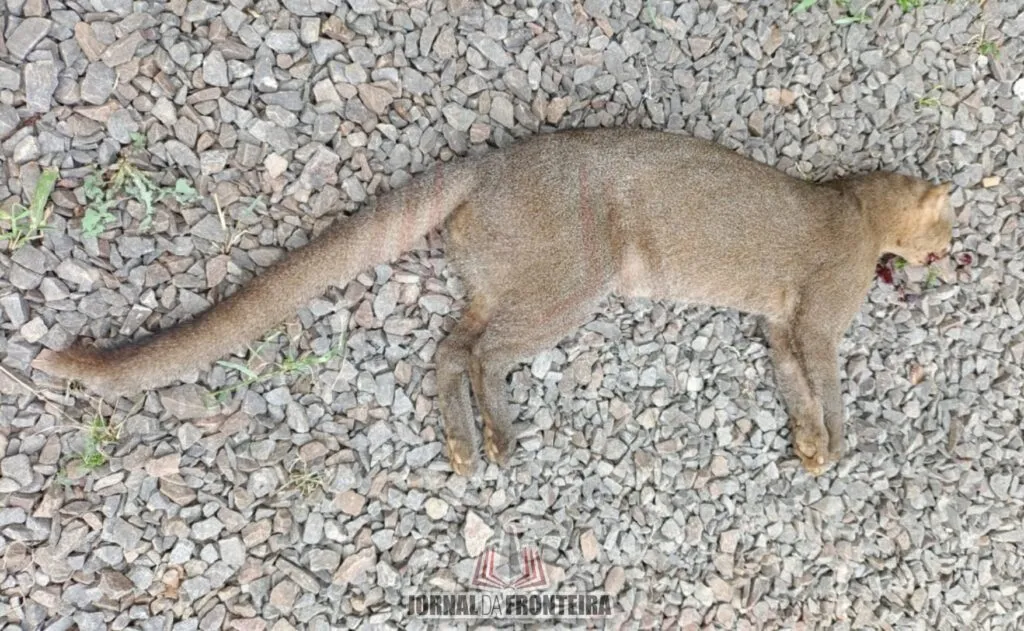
x=347, y=247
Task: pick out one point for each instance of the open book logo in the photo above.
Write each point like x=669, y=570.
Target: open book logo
x=514, y=567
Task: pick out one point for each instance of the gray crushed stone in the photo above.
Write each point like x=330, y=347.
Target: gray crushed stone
x=654, y=462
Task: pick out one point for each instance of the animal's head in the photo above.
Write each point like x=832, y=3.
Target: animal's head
x=927, y=225
x=913, y=217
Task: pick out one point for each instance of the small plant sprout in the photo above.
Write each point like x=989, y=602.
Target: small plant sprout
x=860, y=17
x=989, y=48
x=804, y=5
x=100, y=435
x=99, y=201
x=930, y=99
x=652, y=13
x=19, y=224
x=304, y=481
x=909, y=5
x=853, y=16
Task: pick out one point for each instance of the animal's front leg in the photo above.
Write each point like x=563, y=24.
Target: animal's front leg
x=811, y=440
x=822, y=366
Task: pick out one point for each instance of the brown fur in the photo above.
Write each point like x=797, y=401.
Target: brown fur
x=542, y=231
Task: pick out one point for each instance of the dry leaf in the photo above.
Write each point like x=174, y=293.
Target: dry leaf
x=916, y=374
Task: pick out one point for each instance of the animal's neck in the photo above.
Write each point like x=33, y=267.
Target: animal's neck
x=878, y=202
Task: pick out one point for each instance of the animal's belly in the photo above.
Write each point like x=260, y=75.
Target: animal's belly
x=708, y=284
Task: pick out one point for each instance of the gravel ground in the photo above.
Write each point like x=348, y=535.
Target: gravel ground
x=654, y=460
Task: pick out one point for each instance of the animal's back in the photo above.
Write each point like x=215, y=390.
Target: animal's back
x=659, y=214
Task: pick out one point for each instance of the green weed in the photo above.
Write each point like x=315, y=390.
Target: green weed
x=104, y=190
x=92, y=459
x=98, y=204
x=26, y=224
x=652, y=13
x=860, y=17
x=305, y=482
x=930, y=99
x=989, y=48
x=100, y=435
x=909, y=5
x=62, y=478
x=851, y=17
x=288, y=366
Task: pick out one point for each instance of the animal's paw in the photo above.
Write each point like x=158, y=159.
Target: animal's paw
x=836, y=445
x=811, y=443
x=496, y=445
x=461, y=456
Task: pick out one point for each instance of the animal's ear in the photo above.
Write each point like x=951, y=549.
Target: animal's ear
x=936, y=199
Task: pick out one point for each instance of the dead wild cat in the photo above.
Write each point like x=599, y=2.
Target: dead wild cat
x=541, y=231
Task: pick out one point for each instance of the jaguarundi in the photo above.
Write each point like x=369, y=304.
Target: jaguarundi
x=541, y=231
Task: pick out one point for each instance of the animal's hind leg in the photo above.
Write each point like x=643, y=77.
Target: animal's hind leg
x=453, y=361
x=523, y=326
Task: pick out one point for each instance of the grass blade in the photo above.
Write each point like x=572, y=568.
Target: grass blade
x=44, y=187
x=242, y=368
